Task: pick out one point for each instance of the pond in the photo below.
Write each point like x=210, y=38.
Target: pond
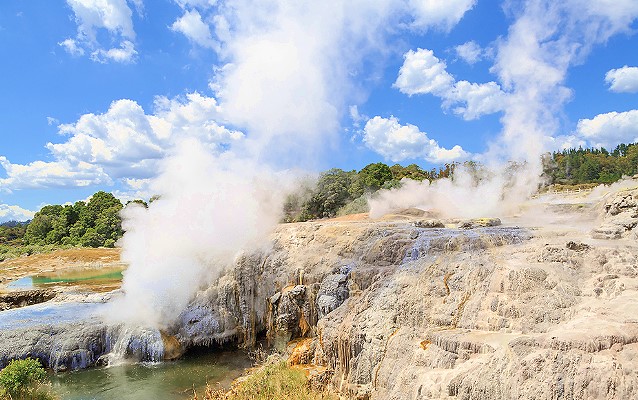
x=94, y=279
x=172, y=380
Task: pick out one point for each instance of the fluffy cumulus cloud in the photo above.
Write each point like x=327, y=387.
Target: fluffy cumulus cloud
x=397, y=142
x=192, y=26
x=470, y=52
x=607, y=130
x=49, y=174
x=123, y=144
x=114, y=17
x=424, y=73
x=623, y=79
x=14, y=213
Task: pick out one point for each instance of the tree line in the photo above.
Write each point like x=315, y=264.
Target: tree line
x=592, y=165
x=96, y=223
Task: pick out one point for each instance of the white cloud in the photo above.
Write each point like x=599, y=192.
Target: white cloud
x=112, y=16
x=14, y=213
x=423, y=73
x=71, y=46
x=42, y=174
x=203, y=4
x=443, y=14
x=610, y=129
x=123, y=143
x=475, y=99
x=397, y=142
x=470, y=52
x=124, y=54
x=192, y=26
x=623, y=79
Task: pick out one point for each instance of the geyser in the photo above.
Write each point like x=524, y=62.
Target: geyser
x=211, y=207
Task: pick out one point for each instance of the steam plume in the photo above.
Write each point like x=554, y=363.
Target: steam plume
x=544, y=41
x=285, y=76
x=211, y=208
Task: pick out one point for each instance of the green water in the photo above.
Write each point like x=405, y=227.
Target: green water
x=167, y=381
x=43, y=280
x=68, y=278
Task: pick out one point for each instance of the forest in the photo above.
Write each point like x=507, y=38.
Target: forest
x=575, y=166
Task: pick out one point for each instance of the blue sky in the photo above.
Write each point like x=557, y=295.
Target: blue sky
x=94, y=94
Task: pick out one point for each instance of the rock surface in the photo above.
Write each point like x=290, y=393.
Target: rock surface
x=25, y=298
x=412, y=310
x=620, y=216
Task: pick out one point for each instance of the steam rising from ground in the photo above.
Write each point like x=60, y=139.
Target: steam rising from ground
x=471, y=193
x=211, y=208
x=531, y=63
x=284, y=77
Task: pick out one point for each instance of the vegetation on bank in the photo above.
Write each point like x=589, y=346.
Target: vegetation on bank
x=273, y=380
x=25, y=380
x=96, y=223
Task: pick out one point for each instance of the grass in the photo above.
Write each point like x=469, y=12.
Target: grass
x=557, y=187
x=273, y=380
x=8, y=251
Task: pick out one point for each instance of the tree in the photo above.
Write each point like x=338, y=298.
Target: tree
x=96, y=223
x=137, y=201
x=38, y=229
x=373, y=176
x=91, y=238
x=330, y=194
x=100, y=202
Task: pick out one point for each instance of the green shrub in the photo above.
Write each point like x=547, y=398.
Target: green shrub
x=24, y=379
x=273, y=380
x=356, y=206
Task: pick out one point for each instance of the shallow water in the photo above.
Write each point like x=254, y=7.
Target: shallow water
x=49, y=314
x=109, y=277
x=169, y=380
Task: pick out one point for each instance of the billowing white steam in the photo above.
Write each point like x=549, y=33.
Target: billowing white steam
x=471, y=194
x=544, y=41
x=211, y=208
x=286, y=75
x=285, y=78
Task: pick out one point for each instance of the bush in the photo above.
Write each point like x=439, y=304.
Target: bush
x=356, y=206
x=24, y=379
x=273, y=380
